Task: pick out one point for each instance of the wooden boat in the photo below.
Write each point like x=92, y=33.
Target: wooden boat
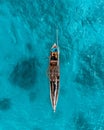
x=54, y=75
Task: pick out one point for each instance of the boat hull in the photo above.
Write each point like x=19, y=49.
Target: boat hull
x=54, y=76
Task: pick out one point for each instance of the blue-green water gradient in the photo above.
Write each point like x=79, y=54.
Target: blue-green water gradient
x=27, y=32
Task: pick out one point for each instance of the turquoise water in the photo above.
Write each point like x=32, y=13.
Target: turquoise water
x=27, y=32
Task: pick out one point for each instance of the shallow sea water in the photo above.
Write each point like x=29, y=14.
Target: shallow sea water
x=27, y=32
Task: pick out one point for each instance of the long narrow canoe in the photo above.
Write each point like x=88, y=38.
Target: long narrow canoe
x=54, y=75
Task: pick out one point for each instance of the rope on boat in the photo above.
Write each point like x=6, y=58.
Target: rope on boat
x=55, y=20
x=57, y=36
x=57, y=43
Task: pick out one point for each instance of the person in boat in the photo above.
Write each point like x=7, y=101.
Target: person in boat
x=53, y=56
x=54, y=51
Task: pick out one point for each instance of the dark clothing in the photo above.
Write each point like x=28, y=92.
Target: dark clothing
x=53, y=58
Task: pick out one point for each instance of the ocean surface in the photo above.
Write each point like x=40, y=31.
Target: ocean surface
x=27, y=32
